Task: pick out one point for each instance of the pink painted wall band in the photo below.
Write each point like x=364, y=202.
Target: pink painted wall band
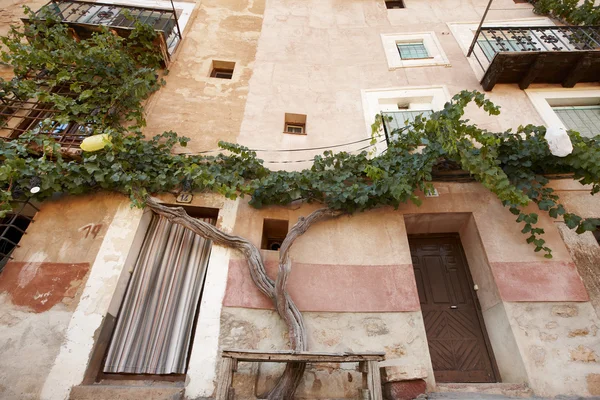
x=333, y=288
x=539, y=281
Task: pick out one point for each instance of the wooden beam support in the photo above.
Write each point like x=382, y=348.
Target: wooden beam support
x=578, y=71
x=533, y=72
x=493, y=72
x=301, y=356
x=374, y=380
x=225, y=379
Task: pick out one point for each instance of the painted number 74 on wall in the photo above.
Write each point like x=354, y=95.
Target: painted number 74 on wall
x=91, y=229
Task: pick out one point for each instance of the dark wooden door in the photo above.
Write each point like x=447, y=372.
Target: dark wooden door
x=458, y=344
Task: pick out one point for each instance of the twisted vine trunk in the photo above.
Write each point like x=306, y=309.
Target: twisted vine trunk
x=276, y=291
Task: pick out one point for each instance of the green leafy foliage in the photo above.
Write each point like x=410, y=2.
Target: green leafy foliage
x=570, y=11
x=510, y=164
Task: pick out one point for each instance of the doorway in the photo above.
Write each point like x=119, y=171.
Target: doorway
x=458, y=343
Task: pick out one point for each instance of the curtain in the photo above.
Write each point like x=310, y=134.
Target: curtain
x=154, y=327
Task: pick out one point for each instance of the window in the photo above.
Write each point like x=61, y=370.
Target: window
x=222, y=69
x=401, y=105
x=295, y=124
x=411, y=51
x=153, y=331
x=404, y=50
x=20, y=116
x=399, y=119
x=274, y=232
x=289, y=128
x=394, y=4
x=576, y=109
x=597, y=235
x=12, y=228
x=582, y=119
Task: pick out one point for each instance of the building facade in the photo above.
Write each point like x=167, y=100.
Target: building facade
x=450, y=290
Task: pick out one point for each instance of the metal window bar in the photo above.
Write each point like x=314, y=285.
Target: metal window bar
x=164, y=21
x=394, y=122
x=412, y=51
x=9, y=223
x=25, y=116
x=582, y=119
x=549, y=38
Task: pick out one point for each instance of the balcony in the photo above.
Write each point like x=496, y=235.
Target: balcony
x=85, y=18
x=545, y=54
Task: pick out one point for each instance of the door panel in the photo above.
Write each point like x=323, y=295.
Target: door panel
x=455, y=333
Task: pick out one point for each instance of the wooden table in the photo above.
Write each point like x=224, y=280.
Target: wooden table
x=367, y=364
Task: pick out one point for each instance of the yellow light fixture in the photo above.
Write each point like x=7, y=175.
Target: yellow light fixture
x=95, y=142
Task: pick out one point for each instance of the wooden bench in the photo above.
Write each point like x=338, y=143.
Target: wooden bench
x=367, y=364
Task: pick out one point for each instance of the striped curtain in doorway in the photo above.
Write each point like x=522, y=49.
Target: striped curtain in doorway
x=154, y=327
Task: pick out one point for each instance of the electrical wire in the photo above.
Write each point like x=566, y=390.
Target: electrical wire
x=284, y=150
x=312, y=159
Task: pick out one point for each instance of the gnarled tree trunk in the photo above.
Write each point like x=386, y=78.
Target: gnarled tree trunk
x=276, y=291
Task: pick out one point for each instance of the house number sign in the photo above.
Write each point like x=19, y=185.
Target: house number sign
x=185, y=198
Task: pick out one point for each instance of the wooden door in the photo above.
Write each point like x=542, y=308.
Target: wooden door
x=458, y=343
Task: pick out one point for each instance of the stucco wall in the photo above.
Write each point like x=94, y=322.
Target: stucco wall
x=326, y=280
x=40, y=288
x=400, y=335
x=559, y=345
x=192, y=103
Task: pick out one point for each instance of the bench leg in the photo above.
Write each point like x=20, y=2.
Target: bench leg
x=225, y=379
x=374, y=380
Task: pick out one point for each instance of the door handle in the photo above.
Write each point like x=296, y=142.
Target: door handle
x=454, y=307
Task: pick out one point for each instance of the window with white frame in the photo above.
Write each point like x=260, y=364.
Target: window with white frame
x=401, y=106
x=570, y=109
x=404, y=50
x=412, y=51
x=582, y=119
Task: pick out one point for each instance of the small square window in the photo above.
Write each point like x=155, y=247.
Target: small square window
x=274, y=232
x=289, y=128
x=394, y=4
x=412, y=51
x=295, y=124
x=222, y=69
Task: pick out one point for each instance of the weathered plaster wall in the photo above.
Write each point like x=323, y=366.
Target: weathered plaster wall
x=315, y=57
x=559, y=344
x=40, y=289
x=192, y=103
x=501, y=262
x=586, y=254
x=400, y=335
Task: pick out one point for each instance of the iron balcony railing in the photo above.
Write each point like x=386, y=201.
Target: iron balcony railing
x=116, y=16
x=537, y=54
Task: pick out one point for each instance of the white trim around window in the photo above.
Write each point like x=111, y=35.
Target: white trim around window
x=390, y=43
x=544, y=99
x=416, y=98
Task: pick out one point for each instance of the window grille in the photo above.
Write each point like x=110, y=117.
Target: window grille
x=412, y=51
x=582, y=119
x=393, y=121
x=12, y=228
x=19, y=116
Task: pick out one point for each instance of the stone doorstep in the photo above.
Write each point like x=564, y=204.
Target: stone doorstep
x=504, y=389
x=122, y=392
x=399, y=373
